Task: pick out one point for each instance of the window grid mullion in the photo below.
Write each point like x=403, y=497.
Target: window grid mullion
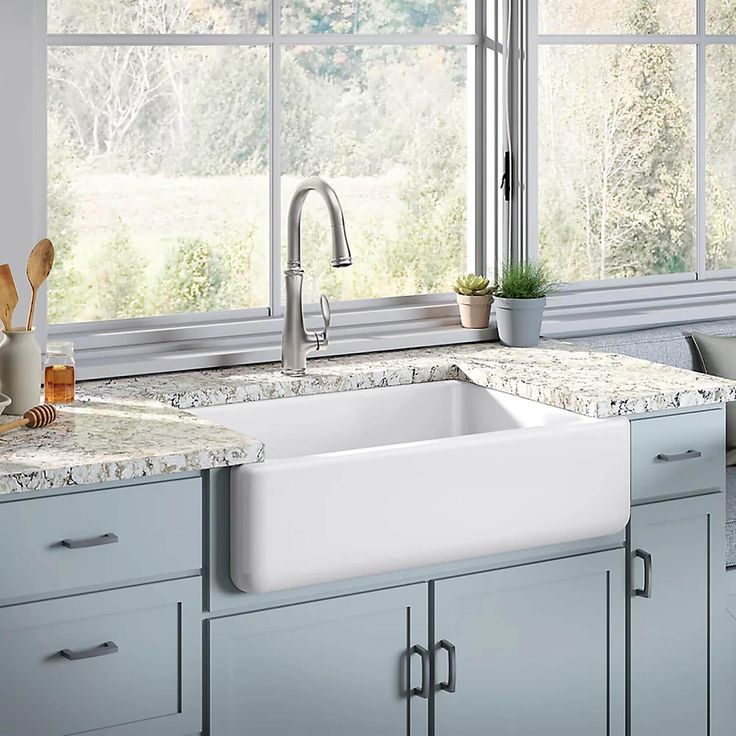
x=262, y=39
x=274, y=172
x=701, y=137
x=492, y=182
x=477, y=161
x=530, y=175
x=614, y=39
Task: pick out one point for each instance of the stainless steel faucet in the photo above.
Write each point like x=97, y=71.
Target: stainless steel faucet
x=296, y=342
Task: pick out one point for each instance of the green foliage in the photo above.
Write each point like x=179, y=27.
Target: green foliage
x=373, y=16
x=473, y=285
x=191, y=280
x=617, y=188
x=66, y=290
x=225, y=129
x=244, y=278
x=118, y=287
x=525, y=281
x=61, y=225
x=157, y=16
x=176, y=128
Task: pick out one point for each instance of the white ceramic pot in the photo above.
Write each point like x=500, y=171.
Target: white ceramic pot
x=475, y=311
x=20, y=370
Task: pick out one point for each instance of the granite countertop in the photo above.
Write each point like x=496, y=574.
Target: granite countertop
x=95, y=441
x=136, y=427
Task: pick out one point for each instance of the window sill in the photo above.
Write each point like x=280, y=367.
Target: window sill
x=141, y=347
x=598, y=311
x=144, y=347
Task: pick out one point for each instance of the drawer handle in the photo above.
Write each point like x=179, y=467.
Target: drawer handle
x=91, y=542
x=103, y=650
x=451, y=683
x=646, y=591
x=423, y=691
x=689, y=455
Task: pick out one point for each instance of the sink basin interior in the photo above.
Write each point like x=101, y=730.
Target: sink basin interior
x=351, y=420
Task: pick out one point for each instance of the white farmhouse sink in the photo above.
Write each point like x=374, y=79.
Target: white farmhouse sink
x=372, y=481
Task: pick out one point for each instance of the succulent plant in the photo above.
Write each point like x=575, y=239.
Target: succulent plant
x=473, y=285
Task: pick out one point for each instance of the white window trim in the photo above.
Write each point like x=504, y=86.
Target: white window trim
x=177, y=342
x=626, y=304
x=22, y=144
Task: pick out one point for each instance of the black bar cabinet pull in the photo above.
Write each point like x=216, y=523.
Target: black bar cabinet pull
x=451, y=683
x=109, y=647
x=423, y=691
x=91, y=542
x=646, y=591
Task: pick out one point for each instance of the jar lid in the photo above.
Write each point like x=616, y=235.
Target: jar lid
x=60, y=347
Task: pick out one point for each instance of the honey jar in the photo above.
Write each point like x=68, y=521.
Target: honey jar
x=58, y=381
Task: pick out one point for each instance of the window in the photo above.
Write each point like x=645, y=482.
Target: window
x=177, y=132
x=632, y=128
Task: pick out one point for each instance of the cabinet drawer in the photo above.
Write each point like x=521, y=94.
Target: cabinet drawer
x=677, y=454
x=57, y=676
x=99, y=538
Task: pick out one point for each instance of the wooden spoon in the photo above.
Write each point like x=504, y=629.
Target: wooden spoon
x=39, y=267
x=8, y=297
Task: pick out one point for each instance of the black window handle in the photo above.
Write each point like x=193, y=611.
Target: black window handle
x=646, y=591
x=451, y=683
x=423, y=691
x=103, y=539
x=689, y=455
x=109, y=647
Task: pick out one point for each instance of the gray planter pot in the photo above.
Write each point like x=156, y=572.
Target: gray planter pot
x=519, y=321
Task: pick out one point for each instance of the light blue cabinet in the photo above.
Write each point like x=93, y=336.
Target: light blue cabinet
x=330, y=668
x=529, y=650
x=676, y=603
x=120, y=663
x=678, y=455
x=533, y=650
x=65, y=543
x=727, y=689
x=601, y=637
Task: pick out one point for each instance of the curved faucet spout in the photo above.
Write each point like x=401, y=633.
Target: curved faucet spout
x=340, y=249
x=296, y=342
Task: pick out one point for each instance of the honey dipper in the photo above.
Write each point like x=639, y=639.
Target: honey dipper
x=39, y=416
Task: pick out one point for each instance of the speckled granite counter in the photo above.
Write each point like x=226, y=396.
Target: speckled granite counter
x=95, y=441
x=592, y=383
x=137, y=427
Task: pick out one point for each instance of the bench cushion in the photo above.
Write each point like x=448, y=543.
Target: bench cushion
x=718, y=357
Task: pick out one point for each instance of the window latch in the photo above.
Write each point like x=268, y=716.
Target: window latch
x=506, y=178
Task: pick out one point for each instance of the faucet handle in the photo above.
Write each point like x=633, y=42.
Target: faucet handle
x=324, y=305
x=322, y=339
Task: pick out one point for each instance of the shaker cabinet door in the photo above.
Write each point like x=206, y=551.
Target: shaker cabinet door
x=338, y=667
x=676, y=565
x=532, y=650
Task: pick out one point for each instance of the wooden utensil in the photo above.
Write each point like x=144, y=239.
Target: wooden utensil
x=39, y=267
x=8, y=296
x=39, y=416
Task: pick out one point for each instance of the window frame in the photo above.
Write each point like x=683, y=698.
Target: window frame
x=186, y=341
x=504, y=232
x=624, y=304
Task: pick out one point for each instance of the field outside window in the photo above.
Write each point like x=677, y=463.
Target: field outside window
x=177, y=132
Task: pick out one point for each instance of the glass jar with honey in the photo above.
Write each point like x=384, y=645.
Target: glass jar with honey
x=59, y=373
